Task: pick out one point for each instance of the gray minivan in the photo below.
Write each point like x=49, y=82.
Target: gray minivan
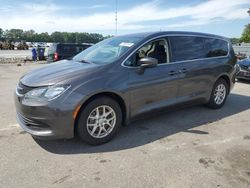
x=119, y=78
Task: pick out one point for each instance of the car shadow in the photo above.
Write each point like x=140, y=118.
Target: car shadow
x=150, y=129
x=243, y=81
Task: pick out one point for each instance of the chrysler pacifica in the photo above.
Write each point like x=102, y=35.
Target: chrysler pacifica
x=119, y=78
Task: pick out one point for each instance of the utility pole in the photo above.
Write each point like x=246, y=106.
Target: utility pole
x=248, y=11
x=115, y=17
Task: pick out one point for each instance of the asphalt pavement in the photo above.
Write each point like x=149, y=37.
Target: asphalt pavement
x=191, y=147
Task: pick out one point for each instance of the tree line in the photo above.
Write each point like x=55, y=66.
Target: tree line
x=17, y=35
x=245, y=36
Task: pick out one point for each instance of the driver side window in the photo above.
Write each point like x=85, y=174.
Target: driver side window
x=157, y=49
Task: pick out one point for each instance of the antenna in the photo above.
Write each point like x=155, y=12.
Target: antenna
x=115, y=17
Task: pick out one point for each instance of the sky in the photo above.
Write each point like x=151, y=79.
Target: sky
x=222, y=17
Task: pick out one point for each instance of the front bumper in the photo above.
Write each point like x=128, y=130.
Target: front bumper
x=51, y=121
x=33, y=128
x=243, y=74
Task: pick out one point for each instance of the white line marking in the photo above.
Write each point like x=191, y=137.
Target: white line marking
x=9, y=127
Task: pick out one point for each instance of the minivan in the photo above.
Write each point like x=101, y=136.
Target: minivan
x=60, y=51
x=116, y=80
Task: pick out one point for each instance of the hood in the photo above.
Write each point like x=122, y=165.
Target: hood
x=245, y=62
x=57, y=72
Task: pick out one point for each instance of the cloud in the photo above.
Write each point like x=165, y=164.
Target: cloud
x=96, y=6
x=37, y=9
x=135, y=18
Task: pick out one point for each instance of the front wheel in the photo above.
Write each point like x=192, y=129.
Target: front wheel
x=99, y=121
x=219, y=94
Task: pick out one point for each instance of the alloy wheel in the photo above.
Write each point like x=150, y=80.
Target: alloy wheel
x=220, y=94
x=101, y=121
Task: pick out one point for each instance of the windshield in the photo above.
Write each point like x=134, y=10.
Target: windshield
x=107, y=51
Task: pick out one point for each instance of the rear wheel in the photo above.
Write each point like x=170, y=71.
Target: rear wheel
x=219, y=94
x=99, y=121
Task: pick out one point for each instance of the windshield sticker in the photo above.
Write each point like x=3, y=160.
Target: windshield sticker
x=127, y=44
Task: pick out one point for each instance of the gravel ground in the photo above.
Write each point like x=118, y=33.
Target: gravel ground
x=16, y=56
x=15, y=53
x=192, y=147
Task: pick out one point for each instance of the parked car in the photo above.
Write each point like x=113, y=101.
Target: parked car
x=114, y=81
x=241, y=56
x=60, y=51
x=244, y=69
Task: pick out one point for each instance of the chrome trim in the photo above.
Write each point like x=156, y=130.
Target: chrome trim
x=167, y=35
x=18, y=94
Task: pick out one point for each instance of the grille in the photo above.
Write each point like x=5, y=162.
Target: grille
x=244, y=74
x=22, y=89
x=31, y=123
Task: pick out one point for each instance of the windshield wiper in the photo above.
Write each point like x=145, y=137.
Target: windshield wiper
x=84, y=61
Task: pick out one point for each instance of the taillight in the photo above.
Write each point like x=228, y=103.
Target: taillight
x=56, y=57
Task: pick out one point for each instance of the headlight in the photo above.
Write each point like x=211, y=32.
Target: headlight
x=45, y=93
x=240, y=67
x=237, y=67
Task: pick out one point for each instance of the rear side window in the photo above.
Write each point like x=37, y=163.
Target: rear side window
x=67, y=49
x=80, y=48
x=215, y=47
x=187, y=48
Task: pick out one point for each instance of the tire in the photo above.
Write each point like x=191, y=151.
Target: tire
x=216, y=103
x=91, y=127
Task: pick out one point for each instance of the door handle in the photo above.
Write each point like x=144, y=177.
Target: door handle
x=184, y=70
x=171, y=73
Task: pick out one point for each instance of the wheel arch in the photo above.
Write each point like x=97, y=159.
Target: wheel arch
x=226, y=78
x=112, y=95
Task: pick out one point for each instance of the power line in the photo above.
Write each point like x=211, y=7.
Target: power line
x=115, y=17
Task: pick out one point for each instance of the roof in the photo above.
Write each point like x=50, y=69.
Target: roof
x=158, y=33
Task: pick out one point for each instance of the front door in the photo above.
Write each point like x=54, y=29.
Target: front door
x=156, y=87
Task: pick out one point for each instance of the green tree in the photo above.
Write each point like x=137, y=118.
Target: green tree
x=14, y=34
x=57, y=37
x=32, y=36
x=44, y=37
x=235, y=40
x=1, y=33
x=245, y=37
x=28, y=35
x=69, y=37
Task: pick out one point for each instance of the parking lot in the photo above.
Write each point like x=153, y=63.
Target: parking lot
x=191, y=147
x=16, y=53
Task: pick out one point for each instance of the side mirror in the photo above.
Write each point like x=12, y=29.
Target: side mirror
x=147, y=62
